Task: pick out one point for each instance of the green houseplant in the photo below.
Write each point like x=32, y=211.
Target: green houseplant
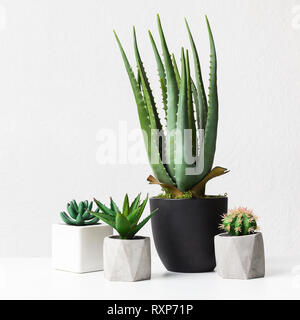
x=240, y=250
x=127, y=257
x=239, y=222
x=79, y=214
x=125, y=222
x=77, y=244
x=181, y=153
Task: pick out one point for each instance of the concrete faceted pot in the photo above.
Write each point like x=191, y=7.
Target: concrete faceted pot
x=78, y=248
x=240, y=257
x=127, y=260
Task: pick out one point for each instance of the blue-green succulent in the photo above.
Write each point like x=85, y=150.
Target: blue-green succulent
x=79, y=214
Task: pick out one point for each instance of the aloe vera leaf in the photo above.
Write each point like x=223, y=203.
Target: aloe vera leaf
x=210, y=137
x=102, y=215
x=199, y=82
x=197, y=105
x=138, y=227
x=138, y=80
x=105, y=218
x=134, y=217
x=199, y=189
x=122, y=225
x=161, y=74
x=158, y=168
x=114, y=206
x=172, y=91
x=104, y=208
x=171, y=189
x=66, y=219
x=135, y=203
x=191, y=117
x=171, y=80
x=126, y=205
x=153, y=110
x=177, y=75
x=182, y=124
x=150, y=103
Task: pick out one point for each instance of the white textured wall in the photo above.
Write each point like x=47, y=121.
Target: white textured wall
x=62, y=80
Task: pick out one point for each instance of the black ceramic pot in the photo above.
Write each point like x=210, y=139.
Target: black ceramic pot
x=184, y=230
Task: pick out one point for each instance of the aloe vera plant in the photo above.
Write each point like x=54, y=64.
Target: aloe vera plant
x=125, y=222
x=79, y=214
x=186, y=109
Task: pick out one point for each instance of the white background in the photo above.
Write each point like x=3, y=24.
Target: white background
x=62, y=80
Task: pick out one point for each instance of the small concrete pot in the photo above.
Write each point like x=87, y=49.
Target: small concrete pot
x=240, y=257
x=78, y=248
x=127, y=260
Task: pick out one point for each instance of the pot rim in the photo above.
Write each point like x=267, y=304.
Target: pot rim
x=83, y=226
x=225, y=235
x=136, y=238
x=210, y=197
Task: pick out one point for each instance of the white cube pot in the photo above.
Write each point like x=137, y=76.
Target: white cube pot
x=240, y=257
x=127, y=260
x=78, y=248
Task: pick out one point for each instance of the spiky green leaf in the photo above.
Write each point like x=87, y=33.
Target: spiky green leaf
x=182, y=125
x=114, y=206
x=177, y=75
x=191, y=117
x=199, y=82
x=210, y=137
x=172, y=91
x=138, y=227
x=104, y=208
x=105, y=218
x=135, y=203
x=122, y=226
x=162, y=75
x=135, y=215
x=158, y=168
x=126, y=206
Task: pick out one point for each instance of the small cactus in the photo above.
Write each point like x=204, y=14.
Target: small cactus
x=79, y=215
x=239, y=222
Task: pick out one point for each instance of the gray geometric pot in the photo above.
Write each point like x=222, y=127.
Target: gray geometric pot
x=240, y=257
x=127, y=260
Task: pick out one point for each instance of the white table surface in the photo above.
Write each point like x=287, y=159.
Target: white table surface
x=33, y=278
